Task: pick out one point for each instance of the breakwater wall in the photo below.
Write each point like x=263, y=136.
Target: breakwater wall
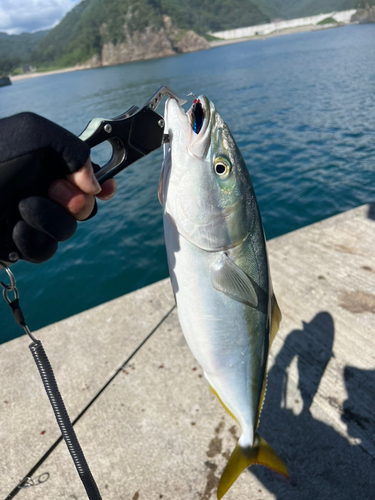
x=266, y=29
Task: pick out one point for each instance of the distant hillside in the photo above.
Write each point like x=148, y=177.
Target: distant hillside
x=104, y=32
x=213, y=15
x=291, y=9
x=20, y=45
x=94, y=25
x=15, y=50
x=365, y=4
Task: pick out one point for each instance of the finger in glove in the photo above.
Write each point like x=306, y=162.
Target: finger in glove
x=34, y=245
x=48, y=217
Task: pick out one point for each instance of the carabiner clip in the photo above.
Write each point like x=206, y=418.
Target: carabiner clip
x=9, y=288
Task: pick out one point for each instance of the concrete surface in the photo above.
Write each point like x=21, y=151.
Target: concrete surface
x=155, y=432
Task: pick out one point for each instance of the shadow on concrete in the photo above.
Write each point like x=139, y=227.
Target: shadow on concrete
x=359, y=409
x=371, y=211
x=322, y=463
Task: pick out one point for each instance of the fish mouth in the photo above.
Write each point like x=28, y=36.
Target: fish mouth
x=199, y=116
x=194, y=125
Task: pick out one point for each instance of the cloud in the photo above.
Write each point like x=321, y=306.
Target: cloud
x=32, y=15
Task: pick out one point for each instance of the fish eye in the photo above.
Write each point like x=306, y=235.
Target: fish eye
x=221, y=167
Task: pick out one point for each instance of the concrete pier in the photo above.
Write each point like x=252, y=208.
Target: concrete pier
x=155, y=432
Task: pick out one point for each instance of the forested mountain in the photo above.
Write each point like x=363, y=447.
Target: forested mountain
x=15, y=50
x=98, y=32
x=291, y=9
x=86, y=29
x=213, y=15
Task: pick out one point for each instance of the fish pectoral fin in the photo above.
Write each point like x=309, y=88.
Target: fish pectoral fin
x=228, y=278
x=260, y=453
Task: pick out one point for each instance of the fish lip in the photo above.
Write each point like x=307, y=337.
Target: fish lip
x=173, y=111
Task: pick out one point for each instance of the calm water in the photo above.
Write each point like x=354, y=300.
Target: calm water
x=301, y=108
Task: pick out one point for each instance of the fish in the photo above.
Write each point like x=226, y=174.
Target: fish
x=219, y=271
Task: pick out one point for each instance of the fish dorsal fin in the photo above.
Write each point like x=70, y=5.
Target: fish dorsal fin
x=228, y=278
x=275, y=323
x=275, y=319
x=262, y=395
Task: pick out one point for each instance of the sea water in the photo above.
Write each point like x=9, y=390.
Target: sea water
x=301, y=108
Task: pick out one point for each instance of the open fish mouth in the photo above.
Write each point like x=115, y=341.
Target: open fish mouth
x=196, y=116
x=199, y=116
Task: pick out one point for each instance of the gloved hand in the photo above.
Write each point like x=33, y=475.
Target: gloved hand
x=32, y=226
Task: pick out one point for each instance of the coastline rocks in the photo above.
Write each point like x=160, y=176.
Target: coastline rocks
x=189, y=41
x=364, y=16
x=149, y=44
x=140, y=46
x=94, y=62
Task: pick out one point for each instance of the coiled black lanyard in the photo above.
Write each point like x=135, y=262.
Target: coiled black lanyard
x=50, y=385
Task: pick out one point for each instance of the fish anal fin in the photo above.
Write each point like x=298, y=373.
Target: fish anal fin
x=229, y=278
x=224, y=406
x=242, y=458
x=275, y=319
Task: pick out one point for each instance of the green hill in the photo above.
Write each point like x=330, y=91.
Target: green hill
x=96, y=28
x=91, y=24
x=291, y=9
x=15, y=50
x=213, y=15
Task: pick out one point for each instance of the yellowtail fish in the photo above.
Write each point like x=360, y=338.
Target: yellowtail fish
x=219, y=271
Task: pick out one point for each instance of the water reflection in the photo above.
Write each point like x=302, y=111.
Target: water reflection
x=321, y=462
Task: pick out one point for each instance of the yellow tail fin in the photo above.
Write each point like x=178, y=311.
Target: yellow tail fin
x=241, y=458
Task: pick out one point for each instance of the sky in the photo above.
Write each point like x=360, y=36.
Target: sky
x=18, y=16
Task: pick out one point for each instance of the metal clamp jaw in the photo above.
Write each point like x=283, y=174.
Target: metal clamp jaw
x=132, y=135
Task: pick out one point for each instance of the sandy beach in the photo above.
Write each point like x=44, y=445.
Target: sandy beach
x=55, y=72
x=288, y=31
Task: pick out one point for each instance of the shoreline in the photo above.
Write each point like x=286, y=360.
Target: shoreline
x=26, y=76
x=287, y=31
x=219, y=43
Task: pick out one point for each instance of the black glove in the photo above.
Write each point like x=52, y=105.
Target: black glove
x=33, y=152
